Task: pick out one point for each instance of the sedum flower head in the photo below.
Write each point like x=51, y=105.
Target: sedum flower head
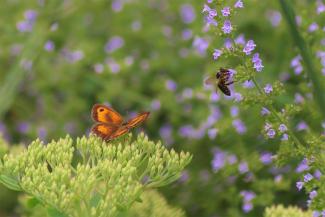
x=281, y=211
x=89, y=177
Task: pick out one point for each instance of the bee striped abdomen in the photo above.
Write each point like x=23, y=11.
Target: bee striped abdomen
x=224, y=89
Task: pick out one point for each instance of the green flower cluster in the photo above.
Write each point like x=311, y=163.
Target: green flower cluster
x=91, y=177
x=280, y=211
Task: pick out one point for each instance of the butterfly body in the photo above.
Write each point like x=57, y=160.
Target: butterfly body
x=110, y=124
x=222, y=80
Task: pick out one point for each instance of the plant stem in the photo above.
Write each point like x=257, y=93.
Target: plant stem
x=318, y=88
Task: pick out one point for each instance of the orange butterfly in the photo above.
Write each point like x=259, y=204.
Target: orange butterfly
x=109, y=123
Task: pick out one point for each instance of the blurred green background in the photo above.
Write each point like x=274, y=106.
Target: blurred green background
x=58, y=58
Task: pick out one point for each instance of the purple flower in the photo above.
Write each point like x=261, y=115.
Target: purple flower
x=117, y=5
x=228, y=43
x=187, y=13
x=186, y=131
x=210, y=21
x=302, y=125
x=299, y=98
x=232, y=159
x=296, y=65
x=212, y=133
x=239, y=126
x=201, y=45
x=312, y=194
x=240, y=39
x=225, y=11
x=271, y=133
x=274, y=17
x=214, y=97
x=268, y=88
x=219, y=161
x=113, y=65
x=308, y=177
x=303, y=166
x=265, y=111
x=49, y=46
x=24, y=26
x=313, y=27
x=114, y=44
x=227, y=28
x=285, y=137
x=23, y=127
x=42, y=133
x=30, y=15
x=171, y=85
x=283, y=128
x=184, y=176
x=248, y=196
x=257, y=62
x=243, y=167
x=166, y=133
x=234, y=111
x=320, y=7
x=247, y=207
x=216, y=54
x=299, y=185
x=239, y=4
x=248, y=84
x=266, y=158
x=211, y=12
x=249, y=47
x=187, y=34
x=99, y=68
x=187, y=93
x=317, y=174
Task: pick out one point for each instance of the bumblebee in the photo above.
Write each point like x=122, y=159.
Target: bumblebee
x=222, y=79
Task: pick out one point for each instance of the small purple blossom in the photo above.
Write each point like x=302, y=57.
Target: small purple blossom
x=232, y=159
x=248, y=196
x=187, y=13
x=212, y=133
x=225, y=11
x=228, y=43
x=115, y=43
x=234, y=111
x=227, y=28
x=239, y=4
x=265, y=111
x=266, y=158
x=249, y=47
x=312, y=194
x=296, y=65
x=239, y=126
x=257, y=62
x=271, y=133
x=187, y=34
x=201, y=45
x=99, y=68
x=283, y=128
x=313, y=27
x=248, y=84
x=302, y=125
x=23, y=127
x=30, y=15
x=243, y=167
x=268, y=88
x=299, y=98
x=49, y=46
x=303, y=166
x=317, y=174
x=171, y=85
x=274, y=17
x=240, y=39
x=216, y=54
x=284, y=137
x=320, y=7
x=155, y=105
x=308, y=177
x=299, y=185
x=117, y=5
x=247, y=207
x=219, y=161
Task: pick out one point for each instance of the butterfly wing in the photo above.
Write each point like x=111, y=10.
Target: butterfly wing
x=104, y=130
x=133, y=122
x=121, y=131
x=104, y=114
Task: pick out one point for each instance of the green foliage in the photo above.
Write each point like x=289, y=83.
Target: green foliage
x=91, y=177
x=281, y=211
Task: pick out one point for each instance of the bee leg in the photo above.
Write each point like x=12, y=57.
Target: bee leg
x=231, y=82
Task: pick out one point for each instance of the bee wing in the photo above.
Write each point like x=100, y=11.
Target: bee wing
x=210, y=80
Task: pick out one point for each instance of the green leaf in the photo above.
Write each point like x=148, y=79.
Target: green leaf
x=10, y=183
x=52, y=212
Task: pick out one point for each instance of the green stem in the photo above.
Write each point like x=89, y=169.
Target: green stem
x=318, y=88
